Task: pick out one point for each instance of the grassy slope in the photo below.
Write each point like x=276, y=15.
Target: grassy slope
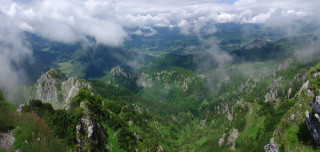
x=30, y=131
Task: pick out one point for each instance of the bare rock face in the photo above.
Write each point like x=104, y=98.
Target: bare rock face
x=316, y=74
x=285, y=64
x=159, y=149
x=90, y=135
x=48, y=85
x=272, y=94
x=56, y=88
x=118, y=71
x=144, y=80
x=304, y=86
x=271, y=147
x=126, y=78
x=232, y=138
x=72, y=87
x=6, y=140
x=313, y=119
x=221, y=140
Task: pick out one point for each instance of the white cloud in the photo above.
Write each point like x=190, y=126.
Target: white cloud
x=69, y=21
x=73, y=20
x=13, y=49
x=184, y=27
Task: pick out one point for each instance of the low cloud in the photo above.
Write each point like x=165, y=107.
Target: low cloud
x=106, y=20
x=69, y=21
x=13, y=50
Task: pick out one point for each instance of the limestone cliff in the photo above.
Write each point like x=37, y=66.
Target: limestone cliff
x=56, y=88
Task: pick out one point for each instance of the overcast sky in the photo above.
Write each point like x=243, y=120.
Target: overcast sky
x=106, y=20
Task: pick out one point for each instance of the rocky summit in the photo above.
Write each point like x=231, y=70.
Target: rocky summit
x=56, y=88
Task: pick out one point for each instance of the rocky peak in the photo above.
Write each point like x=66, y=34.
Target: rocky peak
x=124, y=77
x=56, y=88
x=257, y=43
x=118, y=71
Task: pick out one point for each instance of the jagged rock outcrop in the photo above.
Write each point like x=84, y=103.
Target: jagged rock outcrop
x=243, y=104
x=313, y=119
x=304, y=86
x=285, y=64
x=204, y=121
x=90, y=135
x=272, y=146
x=56, y=88
x=272, y=94
x=118, y=71
x=144, y=80
x=159, y=149
x=221, y=140
x=232, y=138
x=316, y=74
x=124, y=77
x=167, y=79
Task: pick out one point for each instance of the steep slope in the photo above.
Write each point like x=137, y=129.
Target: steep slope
x=292, y=133
x=56, y=88
x=25, y=132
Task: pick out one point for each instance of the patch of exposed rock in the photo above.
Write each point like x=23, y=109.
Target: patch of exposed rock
x=124, y=77
x=272, y=146
x=272, y=94
x=304, y=86
x=90, y=135
x=204, y=121
x=225, y=111
x=232, y=139
x=118, y=71
x=313, y=119
x=316, y=74
x=221, y=140
x=56, y=88
x=159, y=149
x=144, y=80
x=243, y=104
x=6, y=140
x=285, y=64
